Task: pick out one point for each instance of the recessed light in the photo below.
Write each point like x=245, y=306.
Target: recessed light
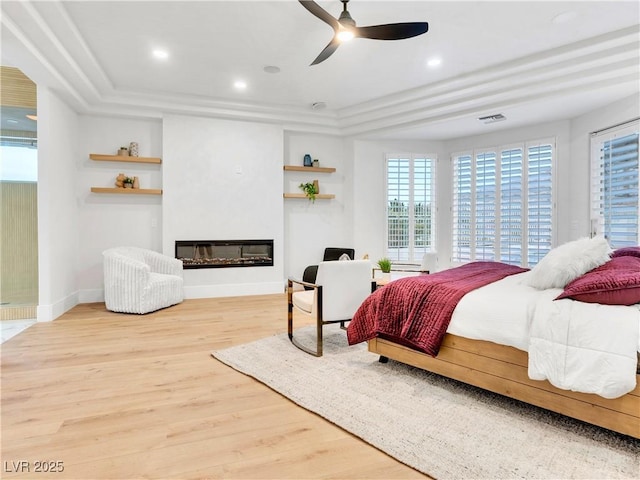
x=271, y=69
x=240, y=85
x=434, y=62
x=160, y=54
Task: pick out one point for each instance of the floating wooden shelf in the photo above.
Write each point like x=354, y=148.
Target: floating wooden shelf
x=119, y=158
x=320, y=196
x=297, y=168
x=128, y=191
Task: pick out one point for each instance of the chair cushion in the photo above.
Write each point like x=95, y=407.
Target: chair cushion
x=304, y=300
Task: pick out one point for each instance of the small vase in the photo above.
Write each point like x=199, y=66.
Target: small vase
x=133, y=150
x=307, y=160
x=123, y=152
x=316, y=163
x=316, y=186
x=136, y=182
x=128, y=185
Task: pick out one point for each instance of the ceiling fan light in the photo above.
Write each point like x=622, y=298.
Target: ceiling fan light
x=345, y=35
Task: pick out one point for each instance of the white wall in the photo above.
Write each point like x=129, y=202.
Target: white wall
x=581, y=127
x=310, y=227
x=58, y=208
x=108, y=220
x=222, y=180
x=369, y=190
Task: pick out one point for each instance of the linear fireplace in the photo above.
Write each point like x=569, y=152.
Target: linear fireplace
x=225, y=253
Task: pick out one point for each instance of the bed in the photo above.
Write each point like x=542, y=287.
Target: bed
x=507, y=337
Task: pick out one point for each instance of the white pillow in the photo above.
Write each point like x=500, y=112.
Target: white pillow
x=344, y=257
x=568, y=262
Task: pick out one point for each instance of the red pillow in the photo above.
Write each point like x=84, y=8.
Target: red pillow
x=626, y=252
x=617, y=282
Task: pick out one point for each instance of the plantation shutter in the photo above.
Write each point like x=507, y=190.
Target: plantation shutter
x=615, y=200
x=502, y=206
x=410, y=207
x=485, y=206
x=539, y=202
x=462, y=207
x=397, y=207
x=511, y=205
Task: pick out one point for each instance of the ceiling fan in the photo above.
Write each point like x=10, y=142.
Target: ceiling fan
x=345, y=28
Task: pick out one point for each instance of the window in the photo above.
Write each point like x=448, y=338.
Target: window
x=18, y=163
x=410, y=207
x=614, y=185
x=502, y=204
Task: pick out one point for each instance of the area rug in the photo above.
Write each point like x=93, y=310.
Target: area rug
x=438, y=426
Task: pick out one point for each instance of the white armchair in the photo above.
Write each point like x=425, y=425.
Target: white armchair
x=137, y=280
x=339, y=289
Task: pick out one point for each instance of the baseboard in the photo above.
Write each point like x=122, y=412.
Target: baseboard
x=200, y=291
x=232, y=290
x=92, y=295
x=47, y=313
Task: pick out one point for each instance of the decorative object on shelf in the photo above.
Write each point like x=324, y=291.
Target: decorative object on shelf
x=316, y=186
x=385, y=266
x=133, y=149
x=309, y=190
x=316, y=162
x=120, y=180
x=136, y=182
x=307, y=160
x=128, y=182
x=123, y=152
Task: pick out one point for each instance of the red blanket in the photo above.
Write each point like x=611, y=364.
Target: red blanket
x=416, y=311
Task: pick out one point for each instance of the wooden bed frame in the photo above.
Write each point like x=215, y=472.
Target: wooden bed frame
x=502, y=369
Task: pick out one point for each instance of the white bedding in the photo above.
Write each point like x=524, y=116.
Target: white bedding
x=498, y=312
x=584, y=347
x=576, y=346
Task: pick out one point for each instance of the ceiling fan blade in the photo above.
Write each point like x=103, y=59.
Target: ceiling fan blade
x=392, y=31
x=327, y=52
x=321, y=13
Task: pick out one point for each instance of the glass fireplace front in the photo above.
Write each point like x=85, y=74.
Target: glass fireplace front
x=225, y=253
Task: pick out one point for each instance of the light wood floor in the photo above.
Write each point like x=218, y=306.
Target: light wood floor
x=139, y=396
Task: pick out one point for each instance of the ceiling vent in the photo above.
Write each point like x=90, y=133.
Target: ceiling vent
x=498, y=117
